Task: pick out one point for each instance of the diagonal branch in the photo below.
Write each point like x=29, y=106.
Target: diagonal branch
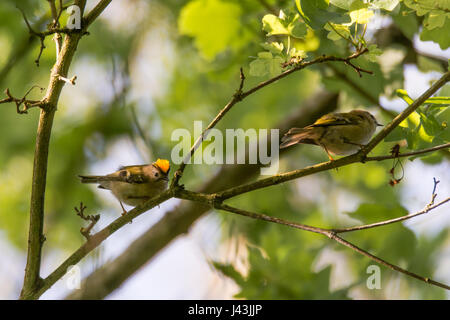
x=350, y=245
x=405, y=113
x=358, y=157
x=178, y=221
x=332, y=234
x=95, y=240
x=430, y=206
x=240, y=95
x=95, y=12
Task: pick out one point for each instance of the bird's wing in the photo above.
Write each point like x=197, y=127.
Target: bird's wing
x=133, y=168
x=132, y=174
x=333, y=119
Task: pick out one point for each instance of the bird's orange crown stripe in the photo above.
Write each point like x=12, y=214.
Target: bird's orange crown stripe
x=162, y=164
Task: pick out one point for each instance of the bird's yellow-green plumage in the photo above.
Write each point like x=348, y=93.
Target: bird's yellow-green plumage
x=337, y=133
x=135, y=184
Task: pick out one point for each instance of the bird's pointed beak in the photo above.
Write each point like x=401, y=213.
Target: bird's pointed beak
x=379, y=124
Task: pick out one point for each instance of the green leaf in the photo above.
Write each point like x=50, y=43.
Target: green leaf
x=433, y=100
x=423, y=7
x=296, y=53
x=374, y=52
x=273, y=25
x=407, y=22
x=392, y=242
x=265, y=64
x=359, y=12
x=431, y=126
x=438, y=35
x=399, y=133
x=438, y=100
x=337, y=31
x=289, y=25
x=343, y=4
x=229, y=271
x=435, y=19
x=316, y=15
x=274, y=47
x=404, y=95
x=426, y=64
x=387, y=5
x=200, y=19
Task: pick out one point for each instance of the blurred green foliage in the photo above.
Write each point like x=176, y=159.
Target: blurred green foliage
x=209, y=41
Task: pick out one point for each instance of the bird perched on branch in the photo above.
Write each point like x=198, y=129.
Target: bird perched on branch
x=337, y=133
x=133, y=185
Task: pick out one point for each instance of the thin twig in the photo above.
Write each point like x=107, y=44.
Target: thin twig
x=28, y=104
x=330, y=234
x=408, y=154
x=96, y=239
x=430, y=206
x=350, y=245
x=95, y=12
x=240, y=95
x=362, y=91
x=54, y=13
x=235, y=99
x=93, y=219
x=52, y=29
x=69, y=81
x=361, y=156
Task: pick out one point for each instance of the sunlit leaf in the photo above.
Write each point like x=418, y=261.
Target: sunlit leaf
x=359, y=13
x=265, y=64
x=289, y=25
x=200, y=19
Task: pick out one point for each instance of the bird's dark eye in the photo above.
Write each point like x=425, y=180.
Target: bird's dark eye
x=123, y=173
x=156, y=174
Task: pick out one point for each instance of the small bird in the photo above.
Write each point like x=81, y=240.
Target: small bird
x=338, y=133
x=135, y=184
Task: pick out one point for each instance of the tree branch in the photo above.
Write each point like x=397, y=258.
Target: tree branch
x=430, y=206
x=108, y=279
x=95, y=12
x=240, y=95
x=362, y=91
x=177, y=221
x=32, y=280
x=330, y=233
x=350, y=245
x=409, y=154
x=95, y=240
x=28, y=104
x=405, y=113
x=358, y=157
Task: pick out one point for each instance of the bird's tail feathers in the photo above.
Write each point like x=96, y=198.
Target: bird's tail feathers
x=92, y=179
x=294, y=136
